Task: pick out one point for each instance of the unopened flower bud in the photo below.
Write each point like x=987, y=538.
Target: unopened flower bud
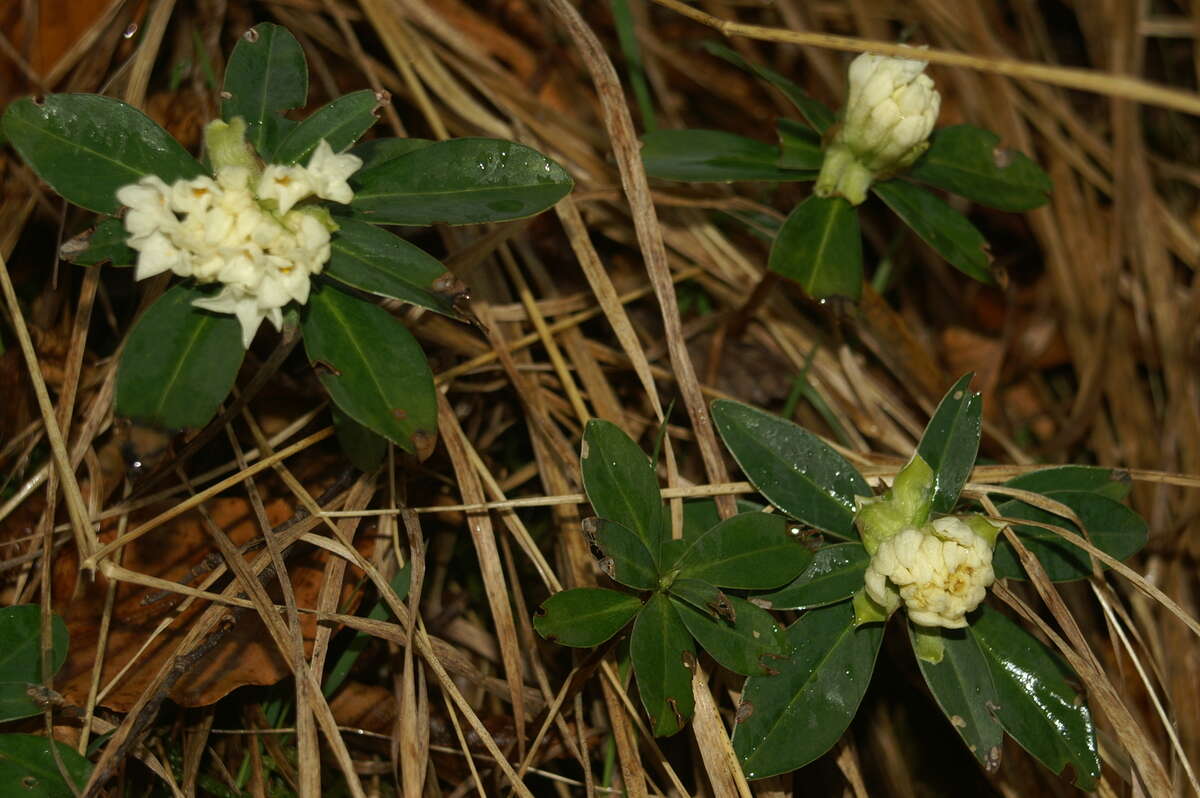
x=889, y=115
x=940, y=571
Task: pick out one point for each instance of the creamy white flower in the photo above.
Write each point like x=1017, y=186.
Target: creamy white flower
x=149, y=203
x=941, y=572
x=287, y=185
x=241, y=229
x=246, y=306
x=890, y=112
x=329, y=172
x=158, y=254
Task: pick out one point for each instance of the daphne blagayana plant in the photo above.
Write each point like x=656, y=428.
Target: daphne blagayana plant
x=918, y=552
x=677, y=591
x=882, y=143
x=281, y=222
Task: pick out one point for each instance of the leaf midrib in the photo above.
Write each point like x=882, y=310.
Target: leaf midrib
x=341, y=319
x=846, y=631
x=374, y=268
x=168, y=387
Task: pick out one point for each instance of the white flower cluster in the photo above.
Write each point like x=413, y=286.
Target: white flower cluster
x=891, y=109
x=941, y=571
x=241, y=230
x=889, y=115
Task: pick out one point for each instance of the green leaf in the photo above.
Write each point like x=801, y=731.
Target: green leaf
x=817, y=114
x=378, y=151
x=713, y=156
x=835, y=574
x=937, y=224
x=951, y=441
x=266, y=75
x=104, y=243
x=788, y=720
x=372, y=367
x=1112, y=527
x=1037, y=706
x=584, y=617
x=179, y=362
x=705, y=597
x=1092, y=479
x=797, y=471
x=751, y=551
x=621, y=483
x=819, y=246
x=87, y=146
x=752, y=644
x=341, y=123
x=799, y=146
x=364, y=448
x=28, y=767
x=372, y=259
x=624, y=557
x=463, y=181
x=967, y=160
x=662, y=654
x=700, y=515
x=962, y=686
x=21, y=658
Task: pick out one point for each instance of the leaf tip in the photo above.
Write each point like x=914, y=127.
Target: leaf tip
x=424, y=442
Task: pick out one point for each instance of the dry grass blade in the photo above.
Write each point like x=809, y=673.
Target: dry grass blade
x=632, y=291
x=1084, y=79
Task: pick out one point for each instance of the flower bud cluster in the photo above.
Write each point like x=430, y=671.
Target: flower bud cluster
x=941, y=572
x=241, y=229
x=890, y=112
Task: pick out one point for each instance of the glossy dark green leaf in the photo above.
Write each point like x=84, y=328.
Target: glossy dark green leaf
x=87, y=146
x=378, y=151
x=704, y=596
x=662, y=654
x=1112, y=527
x=21, y=658
x=790, y=719
x=751, y=551
x=713, y=156
x=937, y=224
x=372, y=367
x=28, y=768
x=820, y=247
x=835, y=574
x=340, y=123
x=266, y=75
x=799, y=146
x=372, y=259
x=621, y=483
x=817, y=114
x=1092, y=479
x=104, y=243
x=1037, y=705
x=623, y=554
x=700, y=515
x=752, y=644
x=584, y=617
x=462, y=181
x=179, y=362
x=797, y=471
x=364, y=448
x=951, y=441
x=967, y=160
x=962, y=686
